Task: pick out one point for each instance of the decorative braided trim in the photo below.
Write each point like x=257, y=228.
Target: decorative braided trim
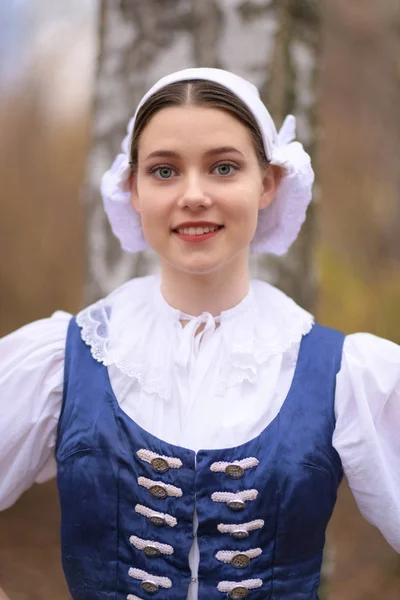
x=226, y=556
x=148, y=456
x=250, y=584
x=231, y=496
x=250, y=526
x=140, y=544
x=170, y=489
x=163, y=582
x=132, y=597
x=149, y=512
x=245, y=463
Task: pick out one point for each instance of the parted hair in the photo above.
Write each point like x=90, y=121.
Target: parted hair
x=196, y=92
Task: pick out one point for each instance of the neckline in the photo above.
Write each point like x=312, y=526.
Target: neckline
x=161, y=305
x=118, y=329
x=182, y=449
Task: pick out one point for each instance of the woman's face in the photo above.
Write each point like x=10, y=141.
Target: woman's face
x=198, y=188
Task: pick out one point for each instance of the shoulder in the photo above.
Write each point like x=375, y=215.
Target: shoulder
x=44, y=335
x=373, y=360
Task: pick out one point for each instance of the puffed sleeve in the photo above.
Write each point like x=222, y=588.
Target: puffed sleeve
x=367, y=433
x=31, y=386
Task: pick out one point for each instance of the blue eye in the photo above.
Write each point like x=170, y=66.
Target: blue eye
x=225, y=169
x=164, y=172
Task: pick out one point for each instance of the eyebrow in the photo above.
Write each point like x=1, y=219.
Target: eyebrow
x=211, y=152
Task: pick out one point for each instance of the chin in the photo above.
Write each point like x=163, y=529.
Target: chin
x=199, y=269
x=203, y=264
x=197, y=266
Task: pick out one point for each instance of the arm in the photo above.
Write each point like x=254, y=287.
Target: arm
x=367, y=434
x=31, y=383
x=3, y=595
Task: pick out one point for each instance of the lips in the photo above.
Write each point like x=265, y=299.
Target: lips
x=196, y=228
x=197, y=231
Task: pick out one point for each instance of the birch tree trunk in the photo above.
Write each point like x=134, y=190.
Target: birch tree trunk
x=273, y=43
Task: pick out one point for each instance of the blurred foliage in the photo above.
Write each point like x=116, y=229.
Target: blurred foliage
x=351, y=302
x=41, y=226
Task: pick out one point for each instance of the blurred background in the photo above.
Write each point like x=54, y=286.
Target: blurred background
x=48, y=53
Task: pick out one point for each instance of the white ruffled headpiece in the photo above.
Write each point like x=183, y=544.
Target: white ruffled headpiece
x=278, y=224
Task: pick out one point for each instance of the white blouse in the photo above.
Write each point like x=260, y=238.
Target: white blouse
x=212, y=387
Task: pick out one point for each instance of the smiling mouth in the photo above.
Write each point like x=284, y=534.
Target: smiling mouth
x=195, y=231
x=198, y=234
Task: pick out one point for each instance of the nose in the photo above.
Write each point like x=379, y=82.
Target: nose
x=193, y=194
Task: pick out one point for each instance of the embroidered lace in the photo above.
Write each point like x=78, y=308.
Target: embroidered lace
x=129, y=331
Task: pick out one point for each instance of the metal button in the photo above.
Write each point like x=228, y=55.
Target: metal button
x=240, y=534
x=158, y=491
x=240, y=561
x=159, y=465
x=151, y=551
x=152, y=588
x=239, y=592
x=234, y=471
x=157, y=521
x=236, y=505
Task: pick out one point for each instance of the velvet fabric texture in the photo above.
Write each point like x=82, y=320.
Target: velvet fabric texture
x=98, y=469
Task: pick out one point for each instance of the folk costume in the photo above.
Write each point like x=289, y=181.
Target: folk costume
x=201, y=463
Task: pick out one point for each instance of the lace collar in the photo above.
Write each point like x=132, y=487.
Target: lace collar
x=137, y=331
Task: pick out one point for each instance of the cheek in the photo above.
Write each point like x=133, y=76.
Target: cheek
x=244, y=202
x=153, y=203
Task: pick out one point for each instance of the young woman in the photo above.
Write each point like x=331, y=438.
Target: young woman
x=199, y=423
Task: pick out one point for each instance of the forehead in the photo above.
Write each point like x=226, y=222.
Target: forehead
x=194, y=126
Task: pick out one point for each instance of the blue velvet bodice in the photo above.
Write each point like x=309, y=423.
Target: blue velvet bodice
x=128, y=498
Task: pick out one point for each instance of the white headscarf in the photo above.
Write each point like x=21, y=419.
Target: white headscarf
x=278, y=224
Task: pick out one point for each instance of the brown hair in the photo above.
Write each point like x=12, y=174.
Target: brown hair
x=196, y=92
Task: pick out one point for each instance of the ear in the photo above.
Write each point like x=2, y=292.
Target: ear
x=134, y=192
x=271, y=179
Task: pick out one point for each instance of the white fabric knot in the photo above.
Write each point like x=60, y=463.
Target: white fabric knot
x=288, y=153
x=287, y=132
x=192, y=337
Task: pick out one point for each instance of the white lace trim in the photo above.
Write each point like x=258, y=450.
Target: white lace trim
x=137, y=334
x=96, y=331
